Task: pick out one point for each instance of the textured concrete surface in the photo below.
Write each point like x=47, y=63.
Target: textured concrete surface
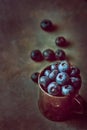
x=20, y=33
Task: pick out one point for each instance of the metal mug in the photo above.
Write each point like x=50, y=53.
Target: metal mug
x=58, y=108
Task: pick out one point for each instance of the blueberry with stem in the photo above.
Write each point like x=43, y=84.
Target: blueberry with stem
x=64, y=66
x=53, y=89
x=67, y=89
x=62, y=78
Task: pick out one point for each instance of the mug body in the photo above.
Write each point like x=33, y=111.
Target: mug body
x=56, y=108
x=53, y=107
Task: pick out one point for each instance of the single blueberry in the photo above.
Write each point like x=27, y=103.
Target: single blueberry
x=76, y=82
x=60, y=54
x=34, y=77
x=62, y=78
x=53, y=89
x=67, y=90
x=49, y=55
x=47, y=72
x=64, y=66
x=54, y=66
x=44, y=81
x=53, y=74
x=74, y=71
x=46, y=25
x=36, y=55
x=61, y=41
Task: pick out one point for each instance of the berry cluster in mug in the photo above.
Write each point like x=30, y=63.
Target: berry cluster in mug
x=60, y=78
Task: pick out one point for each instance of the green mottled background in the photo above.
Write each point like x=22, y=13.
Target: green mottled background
x=20, y=33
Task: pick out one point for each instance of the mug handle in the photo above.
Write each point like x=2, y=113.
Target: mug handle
x=79, y=106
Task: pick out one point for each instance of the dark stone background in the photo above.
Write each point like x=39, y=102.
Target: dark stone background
x=20, y=33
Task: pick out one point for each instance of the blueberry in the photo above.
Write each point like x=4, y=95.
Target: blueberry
x=36, y=55
x=53, y=89
x=34, y=77
x=60, y=54
x=47, y=72
x=53, y=74
x=44, y=81
x=64, y=66
x=61, y=41
x=62, y=78
x=46, y=25
x=76, y=82
x=49, y=55
x=67, y=89
x=54, y=66
x=74, y=71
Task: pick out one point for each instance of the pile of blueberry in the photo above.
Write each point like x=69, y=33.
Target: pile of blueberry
x=48, y=55
x=60, y=78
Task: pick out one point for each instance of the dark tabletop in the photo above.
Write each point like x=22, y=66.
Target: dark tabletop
x=20, y=33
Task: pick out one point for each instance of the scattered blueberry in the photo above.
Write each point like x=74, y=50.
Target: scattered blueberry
x=67, y=89
x=46, y=25
x=54, y=66
x=62, y=78
x=60, y=54
x=76, y=82
x=53, y=74
x=44, y=81
x=64, y=66
x=49, y=55
x=53, y=89
x=74, y=71
x=47, y=72
x=36, y=55
x=34, y=77
x=61, y=41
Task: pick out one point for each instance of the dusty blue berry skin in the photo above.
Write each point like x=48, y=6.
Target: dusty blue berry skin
x=44, y=81
x=64, y=66
x=53, y=74
x=62, y=78
x=67, y=89
x=76, y=82
x=74, y=71
x=54, y=67
x=47, y=72
x=52, y=89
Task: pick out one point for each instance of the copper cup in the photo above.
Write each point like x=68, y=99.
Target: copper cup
x=57, y=108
